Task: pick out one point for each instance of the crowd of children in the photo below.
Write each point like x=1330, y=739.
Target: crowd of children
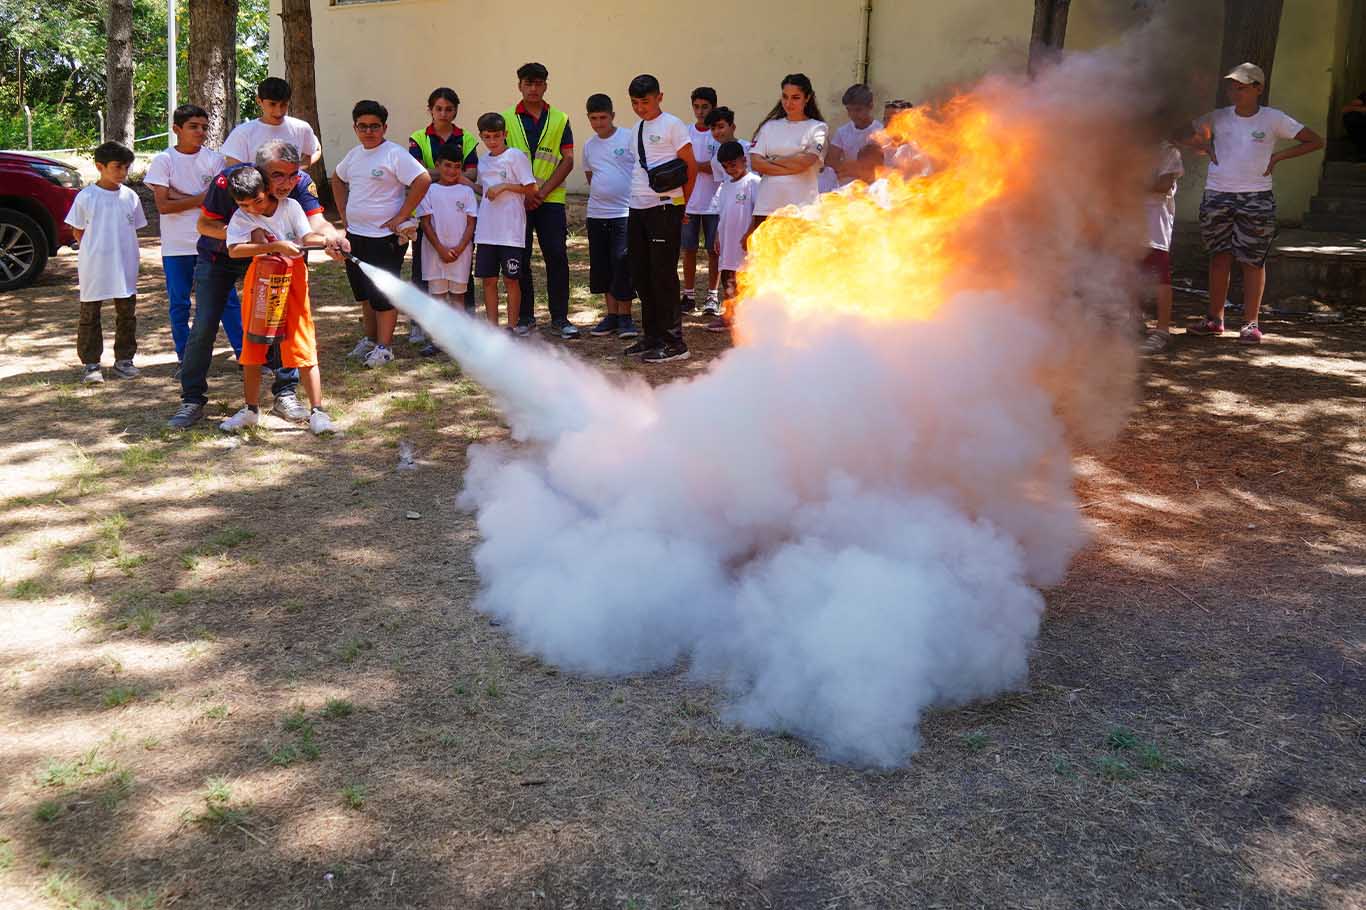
x=657, y=191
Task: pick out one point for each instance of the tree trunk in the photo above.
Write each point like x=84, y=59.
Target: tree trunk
x=1251, y=28
x=213, y=64
x=296, y=18
x=118, y=72
x=1050, y=28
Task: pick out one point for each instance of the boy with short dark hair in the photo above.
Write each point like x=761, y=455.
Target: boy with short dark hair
x=735, y=213
x=609, y=159
x=179, y=178
x=699, y=225
x=377, y=186
x=1238, y=210
x=850, y=138
x=105, y=217
x=272, y=97
x=448, y=215
x=507, y=181
x=265, y=225
x=655, y=222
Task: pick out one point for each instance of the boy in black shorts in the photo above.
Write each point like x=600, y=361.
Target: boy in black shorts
x=500, y=231
x=377, y=185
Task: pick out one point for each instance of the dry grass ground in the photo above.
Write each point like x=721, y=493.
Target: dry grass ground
x=237, y=676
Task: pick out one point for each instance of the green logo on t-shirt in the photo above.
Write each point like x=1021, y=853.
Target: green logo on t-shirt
x=1258, y=135
x=376, y=172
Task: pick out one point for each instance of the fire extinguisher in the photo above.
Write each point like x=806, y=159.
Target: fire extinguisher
x=269, y=290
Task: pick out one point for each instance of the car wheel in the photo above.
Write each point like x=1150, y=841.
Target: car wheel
x=23, y=249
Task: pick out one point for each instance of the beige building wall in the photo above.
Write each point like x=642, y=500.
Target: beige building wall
x=385, y=50
x=1302, y=85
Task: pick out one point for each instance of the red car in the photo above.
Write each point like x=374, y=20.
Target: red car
x=35, y=195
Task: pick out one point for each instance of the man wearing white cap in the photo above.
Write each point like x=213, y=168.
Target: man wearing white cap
x=1238, y=211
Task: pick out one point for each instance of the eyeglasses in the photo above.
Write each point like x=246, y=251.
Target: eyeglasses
x=368, y=127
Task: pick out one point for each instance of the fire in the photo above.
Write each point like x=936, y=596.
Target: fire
x=894, y=252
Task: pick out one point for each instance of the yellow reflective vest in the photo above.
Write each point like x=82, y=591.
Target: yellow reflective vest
x=546, y=156
x=423, y=140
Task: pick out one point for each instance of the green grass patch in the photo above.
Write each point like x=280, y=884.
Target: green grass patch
x=337, y=708
x=142, y=456
x=975, y=741
x=119, y=696
x=56, y=773
x=29, y=589
x=1113, y=768
x=354, y=649
x=353, y=796
x=119, y=789
x=216, y=712
x=296, y=721
x=144, y=619
x=420, y=402
x=228, y=538
x=127, y=562
x=110, y=531
x=48, y=810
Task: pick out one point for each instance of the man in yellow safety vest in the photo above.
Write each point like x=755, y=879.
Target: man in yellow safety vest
x=543, y=133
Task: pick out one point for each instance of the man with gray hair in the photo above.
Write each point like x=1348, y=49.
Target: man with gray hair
x=216, y=273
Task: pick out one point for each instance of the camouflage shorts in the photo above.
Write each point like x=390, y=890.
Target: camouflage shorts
x=1243, y=224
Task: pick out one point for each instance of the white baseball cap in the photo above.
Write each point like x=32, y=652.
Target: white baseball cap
x=1247, y=73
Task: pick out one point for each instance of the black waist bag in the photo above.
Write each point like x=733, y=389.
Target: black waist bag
x=664, y=177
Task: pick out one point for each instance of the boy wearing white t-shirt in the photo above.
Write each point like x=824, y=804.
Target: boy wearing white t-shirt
x=609, y=161
x=448, y=214
x=105, y=217
x=735, y=212
x=721, y=122
x=179, y=177
x=272, y=97
x=265, y=225
x=1238, y=210
x=507, y=181
x=700, y=225
x=655, y=223
x=850, y=138
x=1160, y=208
x=377, y=186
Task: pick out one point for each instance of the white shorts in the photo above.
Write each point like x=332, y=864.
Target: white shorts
x=443, y=286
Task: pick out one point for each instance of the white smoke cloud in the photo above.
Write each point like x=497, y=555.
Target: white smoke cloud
x=843, y=523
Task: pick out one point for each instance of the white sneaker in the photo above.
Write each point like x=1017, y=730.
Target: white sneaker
x=416, y=335
x=124, y=369
x=319, y=423
x=362, y=348
x=91, y=375
x=240, y=421
x=379, y=356
x=712, y=307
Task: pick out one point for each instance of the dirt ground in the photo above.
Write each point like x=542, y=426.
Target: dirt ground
x=248, y=674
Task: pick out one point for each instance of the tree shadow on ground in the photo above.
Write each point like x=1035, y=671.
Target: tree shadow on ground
x=251, y=629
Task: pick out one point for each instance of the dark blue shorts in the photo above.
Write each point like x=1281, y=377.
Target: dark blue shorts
x=609, y=271
x=700, y=227
x=491, y=260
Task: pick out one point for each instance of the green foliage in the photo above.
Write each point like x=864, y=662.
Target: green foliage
x=63, y=47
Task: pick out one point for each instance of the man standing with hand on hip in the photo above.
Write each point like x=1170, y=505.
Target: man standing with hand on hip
x=542, y=133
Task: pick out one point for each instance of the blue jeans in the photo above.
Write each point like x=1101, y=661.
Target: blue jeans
x=179, y=282
x=552, y=231
x=214, y=282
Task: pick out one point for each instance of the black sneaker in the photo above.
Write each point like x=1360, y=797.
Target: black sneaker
x=643, y=346
x=565, y=329
x=688, y=304
x=667, y=353
x=188, y=415
x=627, y=328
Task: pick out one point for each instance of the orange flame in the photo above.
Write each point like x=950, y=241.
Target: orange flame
x=893, y=253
